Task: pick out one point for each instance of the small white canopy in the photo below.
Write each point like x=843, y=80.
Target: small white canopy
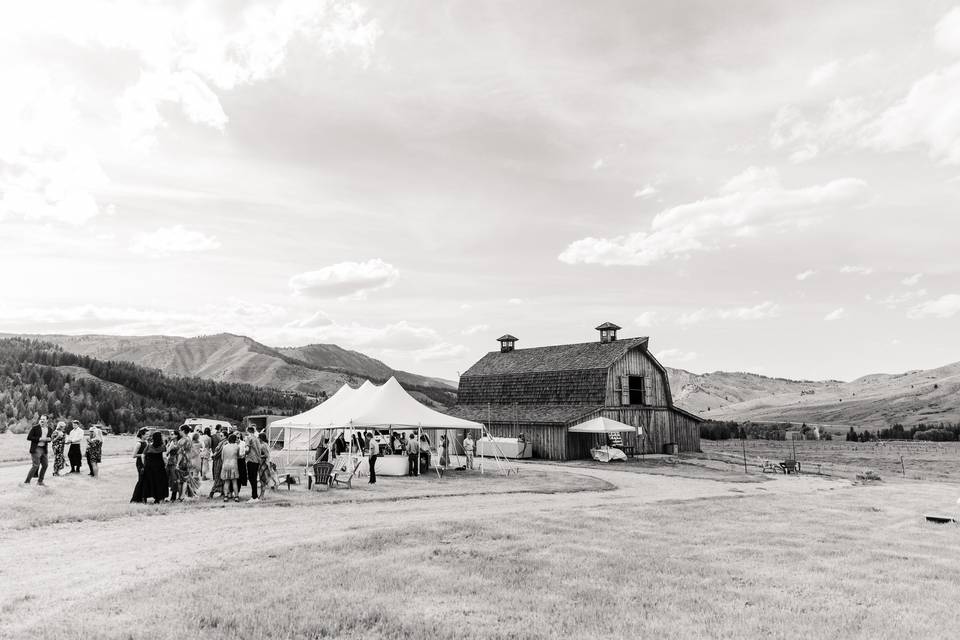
x=601, y=425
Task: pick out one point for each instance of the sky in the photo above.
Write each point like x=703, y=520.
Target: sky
x=757, y=186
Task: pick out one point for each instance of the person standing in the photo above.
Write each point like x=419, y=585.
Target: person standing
x=153, y=482
x=187, y=463
x=74, y=453
x=94, y=450
x=39, y=437
x=57, y=440
x=374, y=448
x=424, y=454
x=173, y=473
x=268, y=474
x=253, y=458
x=468, y=447
x=443, y=452
x=217, y=459
x=141, y=446
x=413, y=455
x=230, y=471
x=206, y=442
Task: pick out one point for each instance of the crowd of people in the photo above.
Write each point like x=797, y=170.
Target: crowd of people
x=171, y=466
x=171, y=469
x=62, y=438
x=416, y=447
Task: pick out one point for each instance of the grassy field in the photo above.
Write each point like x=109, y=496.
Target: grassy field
x=563, y=551
x=935, y=461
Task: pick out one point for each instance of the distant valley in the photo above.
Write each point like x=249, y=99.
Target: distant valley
x=879, y=400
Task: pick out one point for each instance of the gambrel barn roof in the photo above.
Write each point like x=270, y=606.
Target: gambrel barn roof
x=561, y=357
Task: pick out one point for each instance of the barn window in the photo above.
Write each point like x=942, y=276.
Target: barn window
x=636, y=389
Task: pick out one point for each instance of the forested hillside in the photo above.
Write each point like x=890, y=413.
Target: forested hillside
x=40, y=378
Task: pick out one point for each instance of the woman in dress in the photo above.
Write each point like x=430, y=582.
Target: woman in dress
x=173, y=473
x=268, y=473
x=216, y=457
x=186, y=466
x=153, y=483
x=57, y=440
x=230, y=469
x=94, y=450
x=443, y=451
x=196, y=460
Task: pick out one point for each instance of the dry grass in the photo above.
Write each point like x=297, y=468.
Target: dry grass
x=788, y=557
x=809, y=566
x=79, y=498
x=934, y=461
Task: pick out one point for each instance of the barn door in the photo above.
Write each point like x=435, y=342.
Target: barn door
x=625, y=390
x=648, y=397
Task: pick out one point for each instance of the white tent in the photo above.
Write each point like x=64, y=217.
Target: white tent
x=601, y=425
x=391, y=405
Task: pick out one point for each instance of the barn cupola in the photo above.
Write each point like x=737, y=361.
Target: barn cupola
x=506, y=343
x=608, y=332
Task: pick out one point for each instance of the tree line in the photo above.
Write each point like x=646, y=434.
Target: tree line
x=728, y=429
x=35, y=380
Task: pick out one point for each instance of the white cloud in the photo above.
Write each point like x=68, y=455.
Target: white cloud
x=751, y=204
x=647, y=191
x=170, y=240
x=345, y=280
x=803, y=275
x=675, y=356
x=946, y=34
x=761, y=311
x=475, y=329
x=823, y=73
x=598, y=164
x=929, y=116
x=836, y=314
x=894, y=300
x=856, y=269
x=237, y=316
x=515, y=301
x=441, y=352
x=318, y=319
x=945, y=306
x=838, y=126
x=647, y=319
x=912, y=280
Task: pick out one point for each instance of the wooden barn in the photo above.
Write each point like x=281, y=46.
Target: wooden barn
x=543, y=391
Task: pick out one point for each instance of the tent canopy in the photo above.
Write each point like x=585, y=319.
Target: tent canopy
x=392, y=405
x=370, y=406
x=601, y=425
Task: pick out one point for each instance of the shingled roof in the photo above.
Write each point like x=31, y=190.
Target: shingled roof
x=561, y=357
x=523, y=413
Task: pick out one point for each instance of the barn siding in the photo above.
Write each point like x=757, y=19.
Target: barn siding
x=660, y=425
x=637, y=362
x=549, y=440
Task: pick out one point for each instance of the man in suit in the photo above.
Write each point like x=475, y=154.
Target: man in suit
x=39, y=437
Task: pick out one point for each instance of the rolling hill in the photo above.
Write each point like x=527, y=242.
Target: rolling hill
x=41, y=378
x=317, y=370
x=879, y=400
